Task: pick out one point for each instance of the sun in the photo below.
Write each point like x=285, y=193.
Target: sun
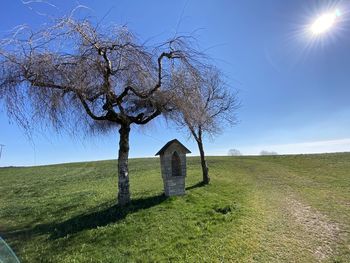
x=324, y=22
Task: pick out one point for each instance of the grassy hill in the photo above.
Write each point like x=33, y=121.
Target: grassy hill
x=257, y=209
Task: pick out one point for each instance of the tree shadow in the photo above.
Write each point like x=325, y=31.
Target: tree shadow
x=86, y=221
x=197, y=185
x=92, y=220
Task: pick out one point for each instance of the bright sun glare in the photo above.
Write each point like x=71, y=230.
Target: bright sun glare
x=325, y=22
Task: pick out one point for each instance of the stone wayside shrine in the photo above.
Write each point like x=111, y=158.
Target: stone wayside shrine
x=173, y=166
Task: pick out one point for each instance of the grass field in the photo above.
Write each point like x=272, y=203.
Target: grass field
x=257, y=209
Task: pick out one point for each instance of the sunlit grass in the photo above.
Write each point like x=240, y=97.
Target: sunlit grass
x=67, y=213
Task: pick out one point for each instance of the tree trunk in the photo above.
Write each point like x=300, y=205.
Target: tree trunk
x=123, y=170
x=205, y=170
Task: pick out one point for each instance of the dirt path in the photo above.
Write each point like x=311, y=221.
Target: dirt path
x=298, y=232
x=316, y=225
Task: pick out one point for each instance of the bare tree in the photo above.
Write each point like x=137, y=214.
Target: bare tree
x=204, y=105
x=234, y=152
x=264, y=152
x=77, y=74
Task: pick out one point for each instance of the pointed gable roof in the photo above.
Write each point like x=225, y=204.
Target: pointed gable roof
x=166, y=146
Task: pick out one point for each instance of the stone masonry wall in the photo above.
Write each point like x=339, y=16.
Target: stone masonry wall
x=173, y=185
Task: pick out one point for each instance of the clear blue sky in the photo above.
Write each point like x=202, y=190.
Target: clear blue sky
x=295, y=93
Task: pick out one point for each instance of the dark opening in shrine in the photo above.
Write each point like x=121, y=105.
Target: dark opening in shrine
x=176, y=164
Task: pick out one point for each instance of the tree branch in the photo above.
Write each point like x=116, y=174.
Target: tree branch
x=169, y=55
x=147, y=119
x=88, y=110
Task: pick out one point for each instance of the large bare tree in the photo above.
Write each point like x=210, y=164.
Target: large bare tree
x=76, y=73
x=204, y=104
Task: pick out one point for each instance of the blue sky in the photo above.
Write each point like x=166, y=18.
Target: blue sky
x=294, y=90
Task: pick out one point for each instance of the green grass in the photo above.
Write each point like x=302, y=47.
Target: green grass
x=256, y=209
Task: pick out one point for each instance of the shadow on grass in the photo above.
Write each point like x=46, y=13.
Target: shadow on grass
x=200, y=184
x=92, y=220
x=86, y=221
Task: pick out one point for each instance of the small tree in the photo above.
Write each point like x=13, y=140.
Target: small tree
x=234, y=152
x=204, y=105
x=264, y=152
x=90, y=78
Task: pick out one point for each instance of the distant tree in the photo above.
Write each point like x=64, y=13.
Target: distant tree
x=234, y=152
x=81, y=75
x=264, y=152
x=204, y=105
